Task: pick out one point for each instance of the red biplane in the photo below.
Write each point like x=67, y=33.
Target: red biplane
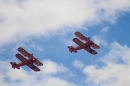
x=87, y=45
x=29, y=62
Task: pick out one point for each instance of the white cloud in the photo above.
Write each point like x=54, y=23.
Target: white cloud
x=51, y=81
x=21, y=19
x=15, y=77
x=51, y=67
x=38, y=47
x=99, y=40
x=68, y=42
x=117, y=54
x=2, y=50
x=78, y=64
x=116, y=68
x=105, y=29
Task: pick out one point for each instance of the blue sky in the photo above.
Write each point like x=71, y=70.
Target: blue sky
x=46, y=27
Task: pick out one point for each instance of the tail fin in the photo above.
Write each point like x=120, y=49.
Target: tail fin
x=71, y=49
x=14, y=65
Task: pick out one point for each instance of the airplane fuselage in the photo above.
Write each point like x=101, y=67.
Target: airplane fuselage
x=29, y=61
x=88, y=44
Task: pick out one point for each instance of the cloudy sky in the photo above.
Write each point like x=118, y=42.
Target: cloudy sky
x=46, y=27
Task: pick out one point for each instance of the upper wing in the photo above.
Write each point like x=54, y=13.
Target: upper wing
x=95, y=46
x=77, y=41
x=82, y=37
x=21, y=58
x=38, y=63
x=33, y=67
x=24, y=52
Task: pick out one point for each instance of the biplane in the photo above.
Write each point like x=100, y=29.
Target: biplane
x=88, y=45
x=32, y=62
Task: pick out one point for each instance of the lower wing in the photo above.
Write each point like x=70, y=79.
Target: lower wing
x=21, y=58
x=77, y=41
x=33, y=67
x=90, y=50
x=24, y=60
